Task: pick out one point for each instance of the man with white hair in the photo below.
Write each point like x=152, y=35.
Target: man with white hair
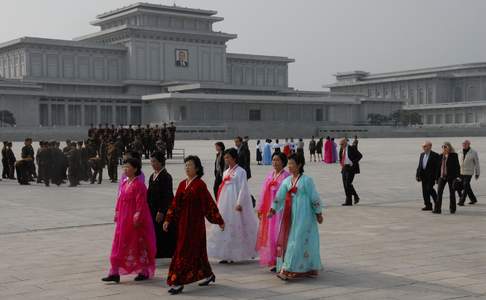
x=427, y=174
x=469, y=167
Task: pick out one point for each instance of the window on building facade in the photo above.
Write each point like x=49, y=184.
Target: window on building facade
x=430, y=119
x=420, y=96
x=121, y=115
x=136, y=115
x=106, y=114
x=459, y=118
x=182, y=113
x=430, y=95
x=438, y=119
x=472, y=93
x=74, y=115
x=469, y=117
x=90, y=115
x=58, y=114
x=458, y=94
x=44, y=114
x=403, y=93
x=411, y=96
x=448, y=118
x=255, y=115
x=319, y=115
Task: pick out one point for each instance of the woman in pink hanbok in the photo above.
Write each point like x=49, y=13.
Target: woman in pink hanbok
x=328, y=151
x=134, y=247
x=268, y=229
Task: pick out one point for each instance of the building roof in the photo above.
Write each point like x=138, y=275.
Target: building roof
x=61, y=43
x=158, y=7
x=259, y=57
x=422, y=73
x=200, y=97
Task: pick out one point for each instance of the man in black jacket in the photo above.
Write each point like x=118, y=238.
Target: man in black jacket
x=243, y=155
x=349, y=158
x=427, y=174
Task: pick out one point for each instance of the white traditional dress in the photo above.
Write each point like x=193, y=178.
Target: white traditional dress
x=237, y=241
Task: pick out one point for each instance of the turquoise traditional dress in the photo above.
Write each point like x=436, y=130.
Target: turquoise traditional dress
x=298, y=252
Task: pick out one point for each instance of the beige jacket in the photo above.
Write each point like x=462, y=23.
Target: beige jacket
x=470, y=163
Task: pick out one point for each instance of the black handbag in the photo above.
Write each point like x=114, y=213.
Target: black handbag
x=458, y=185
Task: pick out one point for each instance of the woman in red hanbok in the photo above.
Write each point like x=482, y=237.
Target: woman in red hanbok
x=192, y=203
x=134, y=248
x=328, y=151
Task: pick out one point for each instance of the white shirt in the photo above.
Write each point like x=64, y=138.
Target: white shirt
x=347, y=161
x=425, y=159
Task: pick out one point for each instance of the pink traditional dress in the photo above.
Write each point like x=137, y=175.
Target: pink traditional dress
x=134, y=247
x=268, y=229
x=328, y=152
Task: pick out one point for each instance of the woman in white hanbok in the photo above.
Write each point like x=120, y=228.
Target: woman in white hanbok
x=237, y=241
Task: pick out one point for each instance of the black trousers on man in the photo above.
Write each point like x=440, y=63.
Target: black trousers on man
x=348, y=177
x=452, y=195
x=428, y=191
x=467, y=191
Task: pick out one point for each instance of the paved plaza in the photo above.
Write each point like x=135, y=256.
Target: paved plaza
x=55, y=242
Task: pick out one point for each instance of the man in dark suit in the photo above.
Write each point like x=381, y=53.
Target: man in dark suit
x=427, y=174
x=243, y=155
x=349, y=158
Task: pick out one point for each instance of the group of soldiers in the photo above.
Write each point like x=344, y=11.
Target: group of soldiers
x=85, y=160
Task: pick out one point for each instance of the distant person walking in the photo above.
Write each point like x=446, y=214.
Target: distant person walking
x=469, y=167
x=427, y=174
x=449, y=171
x=349, y=158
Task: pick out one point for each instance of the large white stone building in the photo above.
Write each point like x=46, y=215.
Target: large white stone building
x=448, y=96
x=151, y=63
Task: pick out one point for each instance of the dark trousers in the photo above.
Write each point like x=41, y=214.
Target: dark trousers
x=73, y=176
x=348, y=177
x=467, y=192
x=97, y=172
x=113, y=170
x=428, y=191
x=44, y=174
x=440, y=191
x=217, y=182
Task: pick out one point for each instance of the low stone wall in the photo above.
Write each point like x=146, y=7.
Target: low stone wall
x=255, y=130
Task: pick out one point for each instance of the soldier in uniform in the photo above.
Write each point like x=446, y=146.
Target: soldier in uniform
x=112, y=156
x=27, y=154
x=44, y=159
x=171, y=139
x=59, y=163
x=74, y=165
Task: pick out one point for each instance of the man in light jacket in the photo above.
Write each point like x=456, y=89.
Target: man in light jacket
x=469, y=161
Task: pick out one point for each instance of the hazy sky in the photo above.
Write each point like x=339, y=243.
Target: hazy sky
x=324, y=36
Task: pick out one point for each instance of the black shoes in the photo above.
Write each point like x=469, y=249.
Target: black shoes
x=460, y=203
x=473, y=202
x=427, y=208
x=453, y=211
x=141, y=277
x=347, y=204
x=174, y=291
x=356, y=200
x=112, y=278
x=206, y=282
x=437, y=212
x=273, y=270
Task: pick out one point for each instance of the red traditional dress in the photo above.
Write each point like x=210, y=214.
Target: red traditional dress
x=134, y=248
x=191, y=204
x=328, y=152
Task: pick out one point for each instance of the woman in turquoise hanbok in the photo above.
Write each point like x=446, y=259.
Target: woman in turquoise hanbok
x=298, y=252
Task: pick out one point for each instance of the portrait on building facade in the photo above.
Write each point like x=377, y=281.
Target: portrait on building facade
x=182, y=57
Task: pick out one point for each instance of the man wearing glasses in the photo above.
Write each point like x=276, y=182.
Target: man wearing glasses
x=427, y=174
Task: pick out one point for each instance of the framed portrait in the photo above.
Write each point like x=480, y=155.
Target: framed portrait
x=182, y=58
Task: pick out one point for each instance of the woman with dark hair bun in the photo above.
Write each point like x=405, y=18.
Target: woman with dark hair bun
x=140, y=176
x=297, y=247
x=268, y=229
x=134, y=248
x=159, y=197
x=190, y=206
x=237, y=242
